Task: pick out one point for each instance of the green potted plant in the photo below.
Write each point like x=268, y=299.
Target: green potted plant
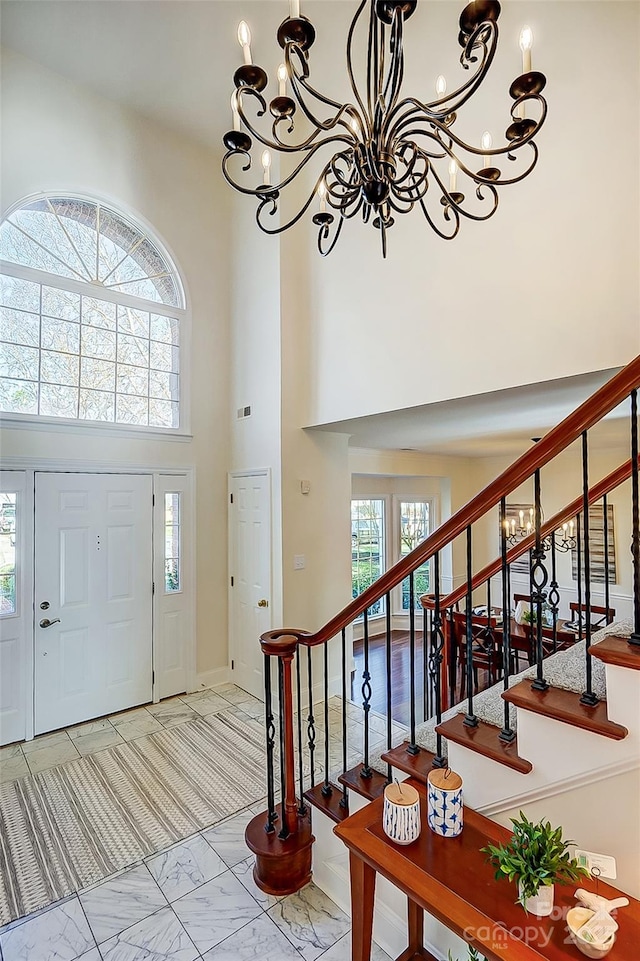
x=537, y=856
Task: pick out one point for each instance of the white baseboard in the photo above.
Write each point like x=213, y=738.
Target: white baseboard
x=220, y=675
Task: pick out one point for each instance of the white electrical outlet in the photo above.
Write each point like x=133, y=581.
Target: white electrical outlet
x=605, y=864
x=298, y=562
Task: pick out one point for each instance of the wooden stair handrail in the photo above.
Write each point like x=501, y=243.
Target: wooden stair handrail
x=604, y=486
x=614, y=392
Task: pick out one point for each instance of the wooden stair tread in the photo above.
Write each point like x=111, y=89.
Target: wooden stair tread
x=330, y=804
x=484, y=740
x=565, y=706
x=369, y=787
x=617, y=650
x=415, y=765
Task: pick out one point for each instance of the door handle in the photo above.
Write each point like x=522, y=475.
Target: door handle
x=45, y=622
x=263, y=603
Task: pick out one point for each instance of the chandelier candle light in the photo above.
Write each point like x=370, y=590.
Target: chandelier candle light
x=383, y=154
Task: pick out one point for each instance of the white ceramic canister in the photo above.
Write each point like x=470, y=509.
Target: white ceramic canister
x=445, y=812
x=401, y=813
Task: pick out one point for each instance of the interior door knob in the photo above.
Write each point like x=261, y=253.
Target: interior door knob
x=45, y=622
x=263, y=603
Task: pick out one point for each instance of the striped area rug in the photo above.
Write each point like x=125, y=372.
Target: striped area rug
x=68, y=827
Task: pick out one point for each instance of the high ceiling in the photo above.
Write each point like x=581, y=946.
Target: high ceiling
x=172, y=61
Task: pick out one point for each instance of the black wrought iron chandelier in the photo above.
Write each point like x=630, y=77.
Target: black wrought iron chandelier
x=383, y=154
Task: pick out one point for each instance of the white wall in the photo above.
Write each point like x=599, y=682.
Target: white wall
x=546, y=289
x=57, y=136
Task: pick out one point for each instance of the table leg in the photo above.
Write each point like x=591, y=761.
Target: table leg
x=363, y=885
x=416, y=927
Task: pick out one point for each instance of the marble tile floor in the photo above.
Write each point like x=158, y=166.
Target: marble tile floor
x=194, y=901
x=50, y=750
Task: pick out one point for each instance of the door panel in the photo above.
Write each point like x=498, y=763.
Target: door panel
x=93, y=550
x=250, y=549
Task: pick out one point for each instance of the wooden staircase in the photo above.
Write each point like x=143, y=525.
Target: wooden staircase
x=282, y=839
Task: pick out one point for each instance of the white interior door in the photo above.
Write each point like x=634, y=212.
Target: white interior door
x=93, y=595
x=250, y=577
x=15, y=604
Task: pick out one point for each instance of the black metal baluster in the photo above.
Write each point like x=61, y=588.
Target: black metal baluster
x=579, y=572
x=605, y=534
x=327, y=790
x=270, y=730
x=366, y=771
x=453, y=658
x=311, y=722
x=427, y=618
x=435, y=660
x=388, y=666
x=588, y=696
x=539, y=579
x=302, y=809
x=413, y=747
x=284, y=831
x=470, y=719
x=506, y=734
x=635, y=514
x=554, y=593
x=344, y=800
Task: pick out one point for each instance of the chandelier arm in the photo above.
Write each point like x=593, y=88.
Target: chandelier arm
x=352, y=80
x=272, y=198
x=309, y=144
x=463, y=93
x=373, y=62
x=434, y=226
x=323, y=233
x=396, y=72
x=300, y=79
x=277, y=188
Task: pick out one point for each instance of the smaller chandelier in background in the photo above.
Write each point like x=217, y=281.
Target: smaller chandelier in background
x=382, y=154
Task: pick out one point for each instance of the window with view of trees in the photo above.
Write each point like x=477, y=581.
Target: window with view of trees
x=367, y=547
x=90, y=316
x=414, y=527
x=384, y=530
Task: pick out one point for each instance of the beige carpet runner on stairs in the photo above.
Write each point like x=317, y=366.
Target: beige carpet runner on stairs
x=68, y=827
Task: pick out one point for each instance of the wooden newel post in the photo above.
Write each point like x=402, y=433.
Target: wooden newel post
x=283, y=855
x=290, y=803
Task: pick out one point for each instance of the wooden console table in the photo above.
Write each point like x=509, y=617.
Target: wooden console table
x=451, y=879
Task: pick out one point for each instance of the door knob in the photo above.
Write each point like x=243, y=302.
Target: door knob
x=263, y=603
x=45, y=622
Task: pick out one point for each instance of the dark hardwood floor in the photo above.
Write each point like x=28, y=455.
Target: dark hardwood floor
x=400, y=676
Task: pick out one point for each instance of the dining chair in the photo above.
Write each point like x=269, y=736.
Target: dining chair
x=486, y=648
x=600, y=616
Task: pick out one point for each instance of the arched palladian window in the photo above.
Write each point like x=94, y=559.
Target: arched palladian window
x=91, y=313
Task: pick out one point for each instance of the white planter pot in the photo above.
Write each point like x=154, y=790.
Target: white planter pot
x=542, y=903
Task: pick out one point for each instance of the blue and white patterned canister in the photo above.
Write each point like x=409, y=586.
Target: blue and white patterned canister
x=445, y=812
x=401, y=813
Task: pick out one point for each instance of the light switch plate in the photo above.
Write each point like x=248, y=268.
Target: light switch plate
x=298, y=562
x=604, y=862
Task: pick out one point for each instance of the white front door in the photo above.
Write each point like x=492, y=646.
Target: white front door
x=250, y=577
x=93, y=595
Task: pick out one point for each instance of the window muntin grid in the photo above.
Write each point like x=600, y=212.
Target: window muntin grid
x=414, y=527
x=367, y=547
x=64, y=354
x=68, y=353
x=8, y=600
x=86, y=241
x=172, y=542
